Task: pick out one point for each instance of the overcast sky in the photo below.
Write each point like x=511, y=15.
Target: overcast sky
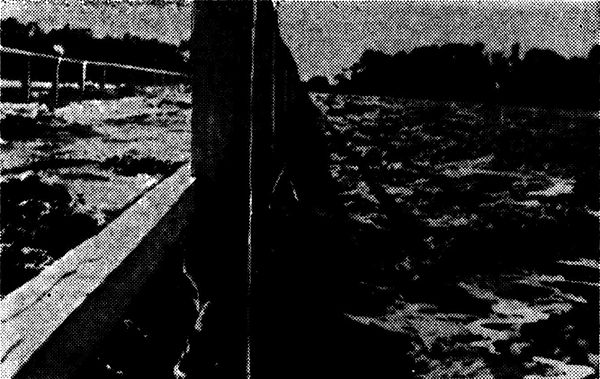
x=327, y=36
x=170, y=23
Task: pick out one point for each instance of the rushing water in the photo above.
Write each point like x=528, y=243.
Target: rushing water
x=478, y=225
x=480, y=228
x=72, y=144
x=66, y=173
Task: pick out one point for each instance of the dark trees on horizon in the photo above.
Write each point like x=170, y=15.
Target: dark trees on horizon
x=469, y=73
x=447, y=72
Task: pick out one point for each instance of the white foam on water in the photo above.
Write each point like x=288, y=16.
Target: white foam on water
x=96, y=111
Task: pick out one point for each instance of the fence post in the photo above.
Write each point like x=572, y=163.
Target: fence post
x=103, y=81
x=53, y=103
x=83, y=79
x=26, y=81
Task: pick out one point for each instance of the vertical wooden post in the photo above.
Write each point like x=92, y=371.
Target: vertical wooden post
x=26, y=81
x=103, y=82
x=251, y=270
x=83, y=80
x=222, y=149
x=54, y=93
x=57, y=83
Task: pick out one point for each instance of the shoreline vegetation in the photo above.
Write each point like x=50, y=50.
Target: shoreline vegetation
x=469, y=72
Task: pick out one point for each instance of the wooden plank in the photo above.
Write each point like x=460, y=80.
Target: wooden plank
x=50, y=325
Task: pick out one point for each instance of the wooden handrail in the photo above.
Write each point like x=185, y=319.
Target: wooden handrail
x=50, y=325
x=12, y=50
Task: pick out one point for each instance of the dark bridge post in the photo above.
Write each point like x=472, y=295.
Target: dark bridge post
x=272, y=277
x=234, y=56
x=221, y=151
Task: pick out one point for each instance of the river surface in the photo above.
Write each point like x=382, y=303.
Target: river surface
x=66, y=173
x=71, y=145
x=479, y=226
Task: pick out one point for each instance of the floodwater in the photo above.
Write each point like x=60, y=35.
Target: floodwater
x=66, y=173
x=479, y=226
x=72, y=145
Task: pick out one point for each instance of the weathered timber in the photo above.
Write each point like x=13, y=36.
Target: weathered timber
x=51, y=324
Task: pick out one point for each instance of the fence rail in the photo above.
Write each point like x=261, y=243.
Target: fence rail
x=91, y=74
x=11, y=50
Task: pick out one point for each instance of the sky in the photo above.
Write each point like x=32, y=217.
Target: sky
x=170, y=22
x=328, y=36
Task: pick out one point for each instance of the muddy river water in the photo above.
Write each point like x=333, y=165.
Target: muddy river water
x=478, y=225
x=66, y=173
x=489, y=222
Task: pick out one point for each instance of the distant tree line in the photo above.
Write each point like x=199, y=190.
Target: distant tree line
x=82, y=44
x=470, y=73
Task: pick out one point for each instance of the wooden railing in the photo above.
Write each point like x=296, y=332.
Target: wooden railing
x=50, y=325
x=101, y=77
x=84, y=63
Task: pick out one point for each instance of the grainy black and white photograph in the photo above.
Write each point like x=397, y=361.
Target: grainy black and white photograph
x=196, y=189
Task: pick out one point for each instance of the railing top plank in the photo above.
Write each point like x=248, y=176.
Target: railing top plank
x=12, y=50
x=32, y=313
